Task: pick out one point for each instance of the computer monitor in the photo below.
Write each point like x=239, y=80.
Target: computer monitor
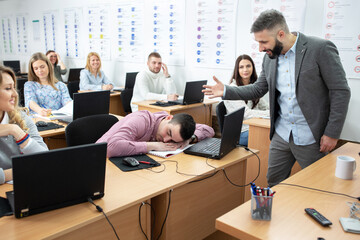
x=14, y=64
x=58, y=178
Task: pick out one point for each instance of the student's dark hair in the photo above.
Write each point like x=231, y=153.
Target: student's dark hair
x=154, y=54
x=238, y=79
x=270, y=20
x=52, y=51
x=187, y=124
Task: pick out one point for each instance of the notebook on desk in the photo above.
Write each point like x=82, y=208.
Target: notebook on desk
x=217, y=148
x=193, y=93
x=88, y=103
x=58, y=178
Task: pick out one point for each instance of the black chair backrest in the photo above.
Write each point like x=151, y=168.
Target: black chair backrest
x=130, y=79
x=88, y=129
x=74, y=74
x=73, y=87
x=220, y=113
x=20, y=86
x=126, y=96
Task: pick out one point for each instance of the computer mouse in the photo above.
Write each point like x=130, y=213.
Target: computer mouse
x=41, y=124
x=130, y=161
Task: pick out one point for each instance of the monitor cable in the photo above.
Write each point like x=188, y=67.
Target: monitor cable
x=102, y=211
x=320, y=190
x=236, y=185
x=166, y=215
x=153, y=220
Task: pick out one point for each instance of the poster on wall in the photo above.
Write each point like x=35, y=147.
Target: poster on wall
x=50, y=25
x=7, y=35
x=167, y=30
x=73, y=28
x=214, y=34
x=98, y=21
x=22, y=37
x=341, y=25
x=294, y=13
x=129, y=31
x=36, y=30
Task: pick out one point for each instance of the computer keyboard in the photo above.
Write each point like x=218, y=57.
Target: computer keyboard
x=211, y=145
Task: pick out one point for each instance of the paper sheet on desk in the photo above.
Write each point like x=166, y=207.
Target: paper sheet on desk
x=166, y=154
x=66, y=110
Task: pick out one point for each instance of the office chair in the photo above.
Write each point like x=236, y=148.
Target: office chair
x=88, y=129
x=220, y=113
x=130, y=79
x=20, y=86
x=73, y=87
x=126, y=96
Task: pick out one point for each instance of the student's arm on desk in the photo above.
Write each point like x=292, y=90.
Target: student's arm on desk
x=203, y=131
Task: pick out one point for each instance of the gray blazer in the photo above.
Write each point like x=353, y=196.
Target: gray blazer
x=321, y=87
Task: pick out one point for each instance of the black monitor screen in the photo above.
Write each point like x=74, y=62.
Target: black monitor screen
x=15, y=65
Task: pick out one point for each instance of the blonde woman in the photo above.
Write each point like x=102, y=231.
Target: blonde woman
x=43, y=92
x=92, y=78
x=18, y=133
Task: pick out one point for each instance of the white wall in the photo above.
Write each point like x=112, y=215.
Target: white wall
x=116, y=70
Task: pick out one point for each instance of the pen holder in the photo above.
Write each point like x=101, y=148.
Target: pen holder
x=261, y=207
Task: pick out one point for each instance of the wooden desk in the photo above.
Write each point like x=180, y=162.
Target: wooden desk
x=259, y=138
x=116, y=106
x=54, y=138
x=201, y=112
x=193, y=210
x=289, y=220
x=195, y=206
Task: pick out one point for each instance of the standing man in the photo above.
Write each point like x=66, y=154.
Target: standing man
x=309, y=94
x=151, y=84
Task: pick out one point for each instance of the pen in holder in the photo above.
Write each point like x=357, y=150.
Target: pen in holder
x=261, y=206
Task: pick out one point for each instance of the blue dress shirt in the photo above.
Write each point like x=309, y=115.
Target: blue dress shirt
x=291, y=118
x=89, y=82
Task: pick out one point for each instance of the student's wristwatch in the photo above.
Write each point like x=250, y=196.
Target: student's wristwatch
x=193, y=138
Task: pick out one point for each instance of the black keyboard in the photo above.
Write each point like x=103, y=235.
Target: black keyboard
x=209, y=145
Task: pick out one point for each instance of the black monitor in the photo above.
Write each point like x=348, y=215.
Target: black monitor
x=15, y=65
x=58, y=178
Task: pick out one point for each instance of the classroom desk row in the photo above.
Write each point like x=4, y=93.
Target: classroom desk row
x=194, y=206
x=289, y=220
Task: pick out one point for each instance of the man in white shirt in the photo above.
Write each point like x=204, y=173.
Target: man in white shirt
x=152, y=84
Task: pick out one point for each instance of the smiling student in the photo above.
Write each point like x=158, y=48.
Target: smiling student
x=18, y=133
x=92, y=77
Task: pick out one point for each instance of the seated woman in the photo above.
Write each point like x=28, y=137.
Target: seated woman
x=18, y=133
x=43, y=92
x=59, y=66
x=92, y=78
x=244, y=74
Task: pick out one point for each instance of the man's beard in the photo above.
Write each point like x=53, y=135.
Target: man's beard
x=276, y=51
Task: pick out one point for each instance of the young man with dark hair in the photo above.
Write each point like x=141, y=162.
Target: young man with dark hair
x=152, y=83
x=308, y=90
x=142, y=131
